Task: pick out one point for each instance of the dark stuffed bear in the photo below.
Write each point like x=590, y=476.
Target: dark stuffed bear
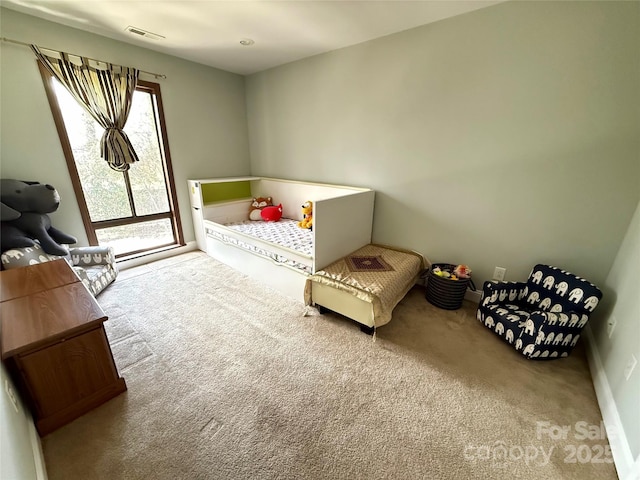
x=25, y=206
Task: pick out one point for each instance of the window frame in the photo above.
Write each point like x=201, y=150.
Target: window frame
x=91, y=226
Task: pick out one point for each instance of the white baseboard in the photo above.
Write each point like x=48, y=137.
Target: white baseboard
x=141, y=260
x=36, y=448
x=473, y=295
x=622, y=457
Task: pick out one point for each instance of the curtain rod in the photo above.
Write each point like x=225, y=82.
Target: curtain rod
x=4, y=39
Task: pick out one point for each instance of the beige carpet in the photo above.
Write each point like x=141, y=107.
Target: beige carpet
x=228, y=381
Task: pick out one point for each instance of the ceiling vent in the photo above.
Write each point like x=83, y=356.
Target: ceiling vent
x=143, y=33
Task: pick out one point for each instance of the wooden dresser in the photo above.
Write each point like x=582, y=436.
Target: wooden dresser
x=54, y=344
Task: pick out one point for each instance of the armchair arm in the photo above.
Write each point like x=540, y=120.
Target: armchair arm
x=94, y=255
x=499, y=292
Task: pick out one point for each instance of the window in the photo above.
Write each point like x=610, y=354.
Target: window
x=133, y=211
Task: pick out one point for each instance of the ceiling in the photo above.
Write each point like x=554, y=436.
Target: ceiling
x=210, y=31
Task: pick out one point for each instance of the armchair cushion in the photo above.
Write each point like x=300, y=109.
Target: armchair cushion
x=95, y=266
x=543, y=317
x=499, y=309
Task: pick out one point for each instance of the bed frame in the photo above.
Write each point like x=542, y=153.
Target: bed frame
x=342, y=223
x=358, y=295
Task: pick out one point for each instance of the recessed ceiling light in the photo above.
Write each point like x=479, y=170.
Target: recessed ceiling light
x=246, y=42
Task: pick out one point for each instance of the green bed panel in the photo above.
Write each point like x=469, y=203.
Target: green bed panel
x=220, y=192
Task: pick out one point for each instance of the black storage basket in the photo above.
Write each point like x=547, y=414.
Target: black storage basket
x=444, y=292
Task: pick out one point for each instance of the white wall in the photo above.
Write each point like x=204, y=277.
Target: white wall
x=204, y=111
x=20, y=454
x=506, y=136
x=619, y=397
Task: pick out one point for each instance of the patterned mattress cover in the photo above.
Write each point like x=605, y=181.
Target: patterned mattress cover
x=285, y=236
x=378, y=274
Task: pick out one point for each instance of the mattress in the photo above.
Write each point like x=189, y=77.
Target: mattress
x=377, y=274
x=285, y=233
x=283, y=242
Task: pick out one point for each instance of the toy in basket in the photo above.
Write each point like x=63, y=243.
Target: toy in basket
x=447, y=284
x=461, y=271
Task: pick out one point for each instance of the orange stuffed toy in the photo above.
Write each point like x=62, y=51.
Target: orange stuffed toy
x=257, y=204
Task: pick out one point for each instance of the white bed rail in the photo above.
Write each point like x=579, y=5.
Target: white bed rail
x=292, y=194
x=341, y=226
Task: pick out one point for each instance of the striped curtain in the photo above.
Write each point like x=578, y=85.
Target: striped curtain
x=106, y=94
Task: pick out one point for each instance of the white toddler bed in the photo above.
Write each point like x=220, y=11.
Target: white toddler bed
x=282, y=242
x=279, y=254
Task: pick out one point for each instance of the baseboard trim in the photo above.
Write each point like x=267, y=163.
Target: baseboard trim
x=36, y=449
x=622, y=457
x=473, y=295
x=134, y=262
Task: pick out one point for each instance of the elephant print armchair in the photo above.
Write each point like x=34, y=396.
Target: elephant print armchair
x=95, y=266
x=542, y=317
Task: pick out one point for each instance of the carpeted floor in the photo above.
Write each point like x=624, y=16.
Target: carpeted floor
x=227, y=380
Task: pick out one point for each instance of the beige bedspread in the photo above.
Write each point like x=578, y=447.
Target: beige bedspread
x=378, y=274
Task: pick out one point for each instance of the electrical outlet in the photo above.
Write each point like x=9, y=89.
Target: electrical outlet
x=12, y=395
x=611, y=325
x=499, y=273
x=631, y=364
